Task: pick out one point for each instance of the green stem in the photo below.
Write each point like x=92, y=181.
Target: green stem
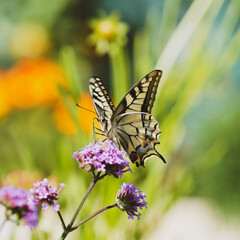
x=61, y=219
x=69, y=228
x=83, y=201
x=119, y=72
x=94, y=214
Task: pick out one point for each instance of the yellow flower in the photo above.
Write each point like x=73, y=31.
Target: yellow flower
x=108, y=33
x=106, y=29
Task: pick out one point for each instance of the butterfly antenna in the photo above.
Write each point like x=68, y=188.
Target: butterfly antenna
x=85, y=108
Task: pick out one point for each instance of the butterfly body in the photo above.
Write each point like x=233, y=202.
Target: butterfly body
x=131, y=123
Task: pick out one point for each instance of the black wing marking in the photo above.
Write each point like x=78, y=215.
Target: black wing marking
x=138, y=133
x=101, y=99
x=141, y=96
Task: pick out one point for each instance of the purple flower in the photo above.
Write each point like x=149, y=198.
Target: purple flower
x=31, y=217
x=43, y=193
x=103, y=157
x=16, y=202
x=129, y=199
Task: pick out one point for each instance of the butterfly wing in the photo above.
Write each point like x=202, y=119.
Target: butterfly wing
x=102, y=103
x=138, y=134
x=141, y=96
x=135, y=128
x=131, y=124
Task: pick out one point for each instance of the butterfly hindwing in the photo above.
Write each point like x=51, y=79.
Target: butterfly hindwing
x=138, y=134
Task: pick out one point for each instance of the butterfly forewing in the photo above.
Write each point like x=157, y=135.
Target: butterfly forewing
x=101, y=99
x=141, y=96
x=102, y=103
x=131, y=124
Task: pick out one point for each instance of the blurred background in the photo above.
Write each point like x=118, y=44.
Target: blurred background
x=48, y=52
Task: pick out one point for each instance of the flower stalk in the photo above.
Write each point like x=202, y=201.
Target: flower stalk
x=92, y=185
x=70, y=227
x=61, y=219
x=95, y=214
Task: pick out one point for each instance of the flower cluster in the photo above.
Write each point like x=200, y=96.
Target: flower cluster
x=16, y=201
x=103, y=157
x=43, y=193
x=129, y=199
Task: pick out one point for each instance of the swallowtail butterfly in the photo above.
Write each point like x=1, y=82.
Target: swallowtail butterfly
x=131, y=123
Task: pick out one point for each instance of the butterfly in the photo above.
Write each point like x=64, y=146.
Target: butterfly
x=131, y=123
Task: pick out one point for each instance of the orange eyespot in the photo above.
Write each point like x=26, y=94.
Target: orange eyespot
x=144, y=144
